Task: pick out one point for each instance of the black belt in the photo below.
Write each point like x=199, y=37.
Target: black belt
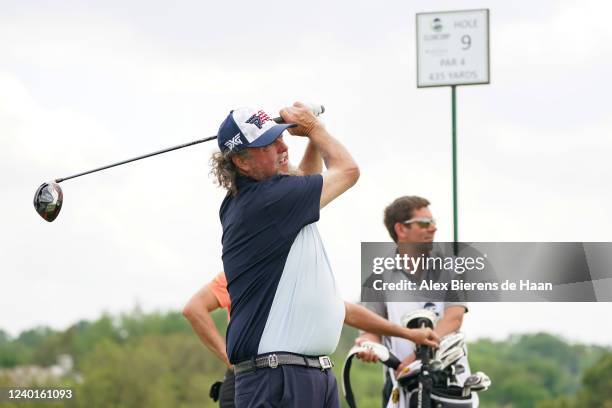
x=277, y=359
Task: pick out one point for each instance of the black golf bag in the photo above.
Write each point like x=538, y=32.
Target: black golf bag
x=436, y=393
x=430, y=381
x=429, y=390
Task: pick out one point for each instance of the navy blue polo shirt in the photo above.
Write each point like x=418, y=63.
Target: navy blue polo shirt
x=278, y=274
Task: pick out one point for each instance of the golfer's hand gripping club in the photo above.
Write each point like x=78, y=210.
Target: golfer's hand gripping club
x=314, y=108
x=303, y=118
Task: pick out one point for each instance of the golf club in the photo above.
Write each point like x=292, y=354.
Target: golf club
x=449, y=341
x=49, y=197
x=383, y=354
x=476, y=382
x=452, y=357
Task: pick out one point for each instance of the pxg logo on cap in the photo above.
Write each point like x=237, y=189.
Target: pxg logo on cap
x=248, y=127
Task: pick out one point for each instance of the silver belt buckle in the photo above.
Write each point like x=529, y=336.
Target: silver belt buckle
x=272, y=361
x=325, y=362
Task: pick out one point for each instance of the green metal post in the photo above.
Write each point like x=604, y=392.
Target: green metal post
x=455, y=212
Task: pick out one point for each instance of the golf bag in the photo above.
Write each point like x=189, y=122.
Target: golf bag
x=430, y=381
x=437, y=389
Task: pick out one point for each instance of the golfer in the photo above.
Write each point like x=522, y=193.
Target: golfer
x=286, y=316
x=285, y=309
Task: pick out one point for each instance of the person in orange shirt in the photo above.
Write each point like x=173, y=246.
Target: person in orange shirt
x=209, y=298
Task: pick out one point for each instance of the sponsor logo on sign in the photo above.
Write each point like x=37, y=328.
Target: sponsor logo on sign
x=436, y=24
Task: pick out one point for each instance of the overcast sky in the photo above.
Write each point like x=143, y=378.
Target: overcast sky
x=87, y=83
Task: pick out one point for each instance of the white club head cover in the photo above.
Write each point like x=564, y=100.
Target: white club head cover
x=407, y=318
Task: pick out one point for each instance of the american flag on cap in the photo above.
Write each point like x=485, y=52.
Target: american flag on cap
x=248, y=127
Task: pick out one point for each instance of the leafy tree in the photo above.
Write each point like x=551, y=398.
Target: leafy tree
x=597, y=385
x=33, y=337
x=4, y=337
x=154, y=371
x=137, y=324
x=561, y=402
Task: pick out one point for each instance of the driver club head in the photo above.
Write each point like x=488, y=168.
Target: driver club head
x=48, y=200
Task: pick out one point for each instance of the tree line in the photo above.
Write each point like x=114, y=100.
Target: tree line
x=141, y=359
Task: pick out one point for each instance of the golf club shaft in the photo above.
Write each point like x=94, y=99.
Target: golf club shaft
x=59, y=180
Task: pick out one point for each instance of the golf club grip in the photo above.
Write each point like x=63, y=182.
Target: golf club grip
x=314, y=108
x=392, y=361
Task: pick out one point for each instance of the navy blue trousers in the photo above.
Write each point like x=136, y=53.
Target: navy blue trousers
x=226, y=393
x=287, y=386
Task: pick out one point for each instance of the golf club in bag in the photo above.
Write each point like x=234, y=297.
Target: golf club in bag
x=49, y=197
x=428, y=382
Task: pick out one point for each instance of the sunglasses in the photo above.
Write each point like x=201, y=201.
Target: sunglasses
x=423, y=222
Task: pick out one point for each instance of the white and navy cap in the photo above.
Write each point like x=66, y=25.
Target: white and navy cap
x=248, y=127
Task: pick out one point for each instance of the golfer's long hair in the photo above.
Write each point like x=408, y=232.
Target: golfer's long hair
x=224, y=169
